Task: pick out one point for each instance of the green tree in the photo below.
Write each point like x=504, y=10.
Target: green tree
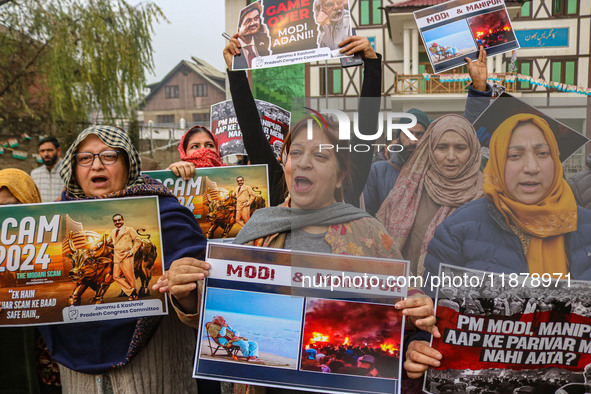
x=279, y=85
x=61, y=61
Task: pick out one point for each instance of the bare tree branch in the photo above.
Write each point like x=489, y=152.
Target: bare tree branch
x=6, y=88
x=2, y=2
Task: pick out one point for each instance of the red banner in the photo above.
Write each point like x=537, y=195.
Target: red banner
x=519, y=342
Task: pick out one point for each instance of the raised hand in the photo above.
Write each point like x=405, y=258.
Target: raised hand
x=231, y=50
x=477, y=70
x=354, y=44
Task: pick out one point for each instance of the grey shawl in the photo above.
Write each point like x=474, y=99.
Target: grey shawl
x=274, y=220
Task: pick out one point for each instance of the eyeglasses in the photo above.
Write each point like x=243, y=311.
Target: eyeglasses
x=107, y=157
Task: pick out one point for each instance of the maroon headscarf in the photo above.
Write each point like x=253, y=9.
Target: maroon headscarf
x=203, y=157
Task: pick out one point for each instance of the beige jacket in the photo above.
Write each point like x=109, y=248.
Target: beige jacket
x=244, y=194
x=127, y=239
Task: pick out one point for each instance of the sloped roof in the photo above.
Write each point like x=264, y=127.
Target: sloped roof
x=208, y=72
x=202, y=66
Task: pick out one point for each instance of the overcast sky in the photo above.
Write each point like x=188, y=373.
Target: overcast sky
x=195, y=29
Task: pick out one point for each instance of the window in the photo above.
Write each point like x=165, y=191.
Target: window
x=565, y=7
x=370, y=12
x=564, y=71
x=334, y=81
x=525, y=67
x=525, y=11
x=164, y=119
x=172, y=91
x=200, y=90
x=201, y=117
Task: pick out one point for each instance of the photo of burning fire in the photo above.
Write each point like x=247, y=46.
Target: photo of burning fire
x=351, y=338
x=491, y=29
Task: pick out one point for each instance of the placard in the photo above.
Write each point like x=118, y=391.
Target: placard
x=456, y=29
x=57, y=261
x=224, y=124
x=269, y=318
x=220, y=204
x=275, y=33
x=505, y=332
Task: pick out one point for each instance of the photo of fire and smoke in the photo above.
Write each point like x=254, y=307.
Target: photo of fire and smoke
x=491, y=29
x=351, y=338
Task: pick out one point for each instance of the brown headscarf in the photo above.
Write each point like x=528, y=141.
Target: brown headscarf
x=21, y=185
x=421, y=172
x=546, y=221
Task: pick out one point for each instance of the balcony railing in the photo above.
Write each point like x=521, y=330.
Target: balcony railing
x=446, y=83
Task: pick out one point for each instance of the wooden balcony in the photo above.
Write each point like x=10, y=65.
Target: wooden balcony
x=446, y=83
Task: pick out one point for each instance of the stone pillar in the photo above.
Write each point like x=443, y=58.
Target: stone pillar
x=415, y=51
x=490, y=64
x=406, y=51
x=499, y=64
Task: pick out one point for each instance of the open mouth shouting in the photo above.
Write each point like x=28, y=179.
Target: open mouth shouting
x=302, y=184
x=99, y=181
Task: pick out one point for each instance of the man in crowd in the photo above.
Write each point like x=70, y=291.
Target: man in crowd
x=334, y=21
x=244, y=197
x=252, y=35
x=366, y=364
x=126, y=242
x=47, y=177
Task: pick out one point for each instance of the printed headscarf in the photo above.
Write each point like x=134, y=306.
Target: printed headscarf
x=545, y=221
x=203, y=157
x=21, y=185
x=421, y=172
x=137, y=185
x=113, y=137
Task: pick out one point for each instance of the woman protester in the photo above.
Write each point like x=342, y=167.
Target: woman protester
x=528, y=222
x=198, y=148
x=442, y=174
x=256, y=144
x=314, y=216
x=17, y=187
x=145, y=355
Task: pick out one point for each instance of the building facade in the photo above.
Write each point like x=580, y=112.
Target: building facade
x=184, y=96
x=555, y=47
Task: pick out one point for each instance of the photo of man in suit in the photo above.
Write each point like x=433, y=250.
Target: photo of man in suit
x=253, y=36
x=126, y=242
x=244, y=197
